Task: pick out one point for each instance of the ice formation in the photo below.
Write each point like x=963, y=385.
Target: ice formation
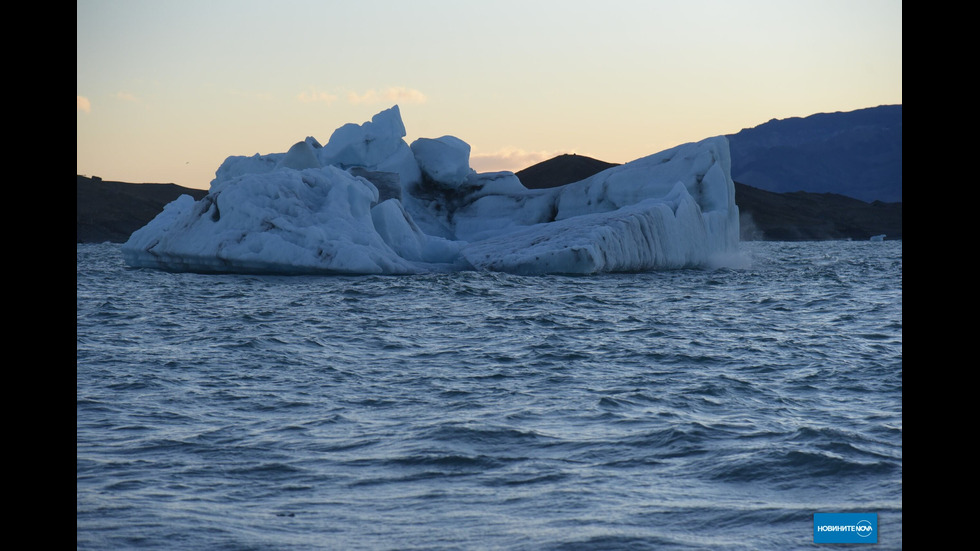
x=368, y=203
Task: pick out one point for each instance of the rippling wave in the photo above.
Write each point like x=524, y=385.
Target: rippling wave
x=688, y=409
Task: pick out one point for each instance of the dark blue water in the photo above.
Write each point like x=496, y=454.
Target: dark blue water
x=690, y=409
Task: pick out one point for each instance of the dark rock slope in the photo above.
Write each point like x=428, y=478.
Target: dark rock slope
x=112, y=211
x=857, y=154
x=803, y=216
x=561, y=170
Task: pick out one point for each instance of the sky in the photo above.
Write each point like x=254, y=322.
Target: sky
x=167, y=90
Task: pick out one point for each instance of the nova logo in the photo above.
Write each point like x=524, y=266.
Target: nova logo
x=845, y=528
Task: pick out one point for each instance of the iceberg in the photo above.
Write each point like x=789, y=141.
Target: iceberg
x=367, y=202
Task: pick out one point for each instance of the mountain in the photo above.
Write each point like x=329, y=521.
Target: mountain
x=804, y=216
x=112, y=211
x=561, y=170
x=857, y=154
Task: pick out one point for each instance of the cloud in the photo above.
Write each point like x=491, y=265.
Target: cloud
x=396, y=94
x=314, y=96
x=125, y=96
x=82, y=104
x=510, y=158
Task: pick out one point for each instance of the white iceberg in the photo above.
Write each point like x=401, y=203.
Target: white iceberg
x=368, y=203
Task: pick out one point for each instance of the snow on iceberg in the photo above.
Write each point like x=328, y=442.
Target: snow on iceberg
x=368, y=203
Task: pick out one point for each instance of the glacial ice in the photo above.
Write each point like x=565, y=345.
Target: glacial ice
x=368, y=203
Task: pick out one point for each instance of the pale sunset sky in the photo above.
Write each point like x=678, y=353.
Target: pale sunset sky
x=166, y=90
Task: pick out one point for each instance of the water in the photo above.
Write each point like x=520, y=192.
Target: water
x=690, y=409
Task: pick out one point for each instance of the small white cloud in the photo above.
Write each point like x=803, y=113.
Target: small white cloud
x=405, y=95
x=396, y=94
x=510, y=158
x=125, y=96
x=82, y=104
x=370, y=96
x=314, y=96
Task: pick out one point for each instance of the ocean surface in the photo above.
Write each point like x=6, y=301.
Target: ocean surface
x=686, y=409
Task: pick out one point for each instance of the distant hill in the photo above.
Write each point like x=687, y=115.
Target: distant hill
x=112, y=211
x=803, y=216
x=857, y=154
x=561, y=170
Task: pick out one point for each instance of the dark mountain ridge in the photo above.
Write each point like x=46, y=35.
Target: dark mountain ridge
x=112, y=211
x=561, y=170
x=857, y=154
